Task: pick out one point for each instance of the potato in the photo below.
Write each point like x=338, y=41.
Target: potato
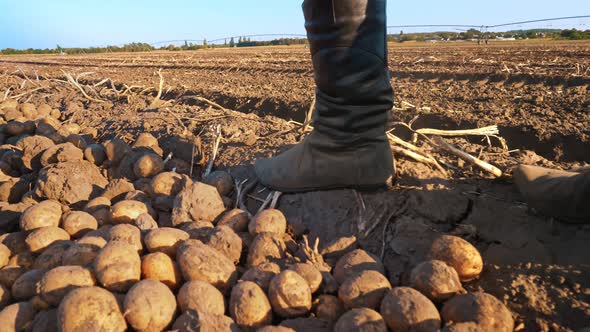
x=406, y=309
x=361, y=320
x=45, y=321
x=95, y=153
x=262, y=274
x=289, y=294
x=145, y=222
x=269, y=221
x=464, y=327
x=308, y=324
x=221, y=180
x=145, y=140
x=5, y=297
x=328, y=307
x=365, y=289
x=78, y=141
x=14, y=128
x=128, y=234
x=125, y=212
x=25, y=287
x=17, y=317
x=137, y=195
x=78, y=223
x=100, y=209
x=197, y=202
x=355, y=262
x=44, y=214
x=149, y=306
x=14, y=241
x=148, y=165
x=270, y=328
x=198, y=261
x=198, y=321
x=459, y=254
x=58, y=282
x=165, y=240
x=236, y=219
x=202, y=297
x=115, y=150
x=5, y=255
x=310, y=273
x=69, y=128
x=481, y=308
x=41, y=238
x=168, y=183
x=198, y=230
x=117, y=266
x=61, y=153
x=266, y=247
x=81, y=254
x=226, y=241
x=436, y=280
x=248, y=306
x=116, y=189
x=17, y=265
x=52, y=256
x=159, y=266
x=90, y=309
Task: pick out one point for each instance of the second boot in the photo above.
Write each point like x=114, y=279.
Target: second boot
x=348, y=147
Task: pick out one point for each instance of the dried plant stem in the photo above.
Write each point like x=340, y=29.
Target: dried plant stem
x=467, y=157
x=214, y=152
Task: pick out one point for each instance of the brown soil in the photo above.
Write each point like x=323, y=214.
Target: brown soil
x=536, y=94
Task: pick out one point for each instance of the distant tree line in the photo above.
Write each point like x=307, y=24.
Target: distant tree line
x=474, y=34
x=132, y=47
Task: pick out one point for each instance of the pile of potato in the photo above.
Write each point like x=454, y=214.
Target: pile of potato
x=151, y=249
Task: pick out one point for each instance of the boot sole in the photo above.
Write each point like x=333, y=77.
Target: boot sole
x=364, y=188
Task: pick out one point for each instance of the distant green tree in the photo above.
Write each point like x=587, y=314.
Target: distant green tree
x=232, y=43
x=205, y=45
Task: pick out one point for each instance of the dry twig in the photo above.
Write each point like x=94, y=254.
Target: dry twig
x=214, y=151
x=467, y=157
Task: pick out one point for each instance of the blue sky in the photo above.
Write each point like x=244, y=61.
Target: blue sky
x=80, y=23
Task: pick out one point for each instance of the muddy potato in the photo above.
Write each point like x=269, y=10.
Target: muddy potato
x=117, y=266
x=44, y=214
x=289, y=294
x=43, y=237
x=164, y=203
x=45, y=321
x=197, y=202
x=355, y=262
x=266, y=247
x=90, y=309
x=248, y=306
x=128, y=234
x=61, y=153
x=262, y=274
x=198, y=321
x=202, y=297
x=145, y=140
x=95, y=153
x=4, y=255
x=148, y=165
x=82, y=253
x=14, y=241
x=270, y=328
x=14, y=128
x=77, y=141
x=406, y=309
x=69, y=128
x=115, y=150
x=13, y=190
x=145, y=222
x=489, y=313
x=116, y=189
x=226, y=241
x=39, y=304
x=221, y=180
x=17, y=265
x=125, y=212
x=149, y=306
x=436, y=280
x=137, y=195
x=236, y=219
x=100, y=209
x=17, y=317
x=328, y=307
x=310, y=273
x=268, y=221
x=365, y=289
x=159, y=266
x=198, y=261
x=361, y=320
x=165, y=239
x=5, y=297
x=459, y=254
x=58, y=282
x=198, y=230
x=52, y=256
x=78, y=223
x=167, y=183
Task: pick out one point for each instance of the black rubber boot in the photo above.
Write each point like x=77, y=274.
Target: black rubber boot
x=348, y=147
x=559, y=194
